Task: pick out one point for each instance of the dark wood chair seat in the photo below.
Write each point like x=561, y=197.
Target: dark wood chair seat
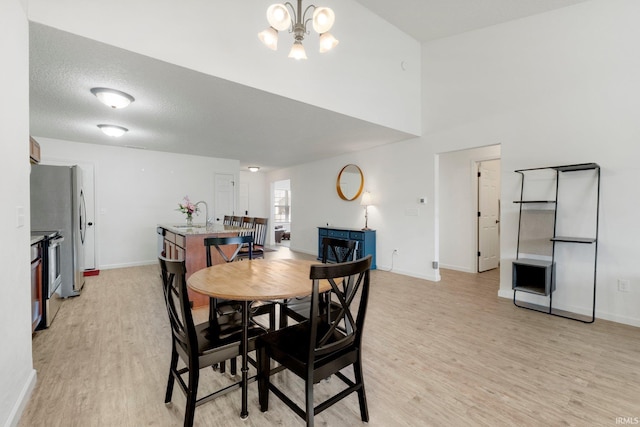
x=339, y=250
x=259, y=238
x=220, y=307
x=199, y=346
x=324, y=345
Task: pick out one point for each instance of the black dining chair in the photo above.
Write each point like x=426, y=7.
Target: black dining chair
x=324, y=345
x=247, y=222
x=225, y=307
x=259, y=234
x=333, y=250
x=199, y=346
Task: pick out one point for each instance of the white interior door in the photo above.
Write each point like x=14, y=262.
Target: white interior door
x=225, y=196
x=488, y=215
x=243, y=203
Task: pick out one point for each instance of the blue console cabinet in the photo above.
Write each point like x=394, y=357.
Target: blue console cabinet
x=366, y=241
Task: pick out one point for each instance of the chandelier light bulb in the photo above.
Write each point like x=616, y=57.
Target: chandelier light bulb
x=113, y=130
x=112, y=98
x=327, y=42
x=278, y=16
x=323, y=19
x=269, y=37
x=285, y=16
x=297, y=51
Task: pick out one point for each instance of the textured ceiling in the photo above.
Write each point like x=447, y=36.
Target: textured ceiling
x=177, y=109
x=184, y=111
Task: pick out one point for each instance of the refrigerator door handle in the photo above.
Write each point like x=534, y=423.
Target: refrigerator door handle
x=83, y=217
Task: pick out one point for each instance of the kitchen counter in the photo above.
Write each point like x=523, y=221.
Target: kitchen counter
x=198, y=229
x=187, y=243
x=36, y=239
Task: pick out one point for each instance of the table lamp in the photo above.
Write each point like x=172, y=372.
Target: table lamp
x=366, y=201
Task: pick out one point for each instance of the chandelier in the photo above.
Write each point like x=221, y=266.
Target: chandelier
x=283, y=16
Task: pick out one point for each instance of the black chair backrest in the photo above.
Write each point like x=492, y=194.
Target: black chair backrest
x=339, y=250
x=176, y=299
x=339, y=329
x=247, y=222
x=260, y=231
x=217, y=242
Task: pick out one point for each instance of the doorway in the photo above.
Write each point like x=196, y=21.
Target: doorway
x=282, y=212
x=458, y=201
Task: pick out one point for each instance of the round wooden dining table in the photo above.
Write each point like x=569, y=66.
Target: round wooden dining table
x=254, y=280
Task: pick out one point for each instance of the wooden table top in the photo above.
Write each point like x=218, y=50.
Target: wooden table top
x=256, y=279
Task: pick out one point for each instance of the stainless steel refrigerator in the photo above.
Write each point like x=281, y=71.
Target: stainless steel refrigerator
x=57, y=203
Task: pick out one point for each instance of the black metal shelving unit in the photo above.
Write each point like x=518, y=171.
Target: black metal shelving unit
x=536, y=276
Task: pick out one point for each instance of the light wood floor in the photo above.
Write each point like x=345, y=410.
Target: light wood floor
x=436, y=354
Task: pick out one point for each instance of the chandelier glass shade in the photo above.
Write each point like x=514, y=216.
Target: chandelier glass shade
x=284, y=16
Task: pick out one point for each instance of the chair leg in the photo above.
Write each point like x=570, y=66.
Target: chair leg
x=234, y=365
x=309, y=410
x=283, y=315
x=362, y=397
x=212, y=309
x=172, y=368
x=264, y=372
x=192, y=394
x=272, y=317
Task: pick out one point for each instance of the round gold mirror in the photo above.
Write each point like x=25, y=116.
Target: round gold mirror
x=350, y=182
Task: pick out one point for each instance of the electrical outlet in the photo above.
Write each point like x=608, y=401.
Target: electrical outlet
x=624, y=285
x=396, y=251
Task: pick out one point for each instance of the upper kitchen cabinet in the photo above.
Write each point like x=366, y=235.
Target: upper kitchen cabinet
x=34, y=151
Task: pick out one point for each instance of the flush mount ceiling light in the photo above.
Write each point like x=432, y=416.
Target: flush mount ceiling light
x=112, y=98
x=254, y=168
x=113, y=130
x=283, y=16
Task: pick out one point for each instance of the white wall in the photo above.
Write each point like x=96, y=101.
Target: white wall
x=219, y=38
x=396, y=175
x=137, y=189
x=258, y=194
x=458, y=206
x=555, y=88
x=17, y=376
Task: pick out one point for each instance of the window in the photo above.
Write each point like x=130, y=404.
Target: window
x=282, y=205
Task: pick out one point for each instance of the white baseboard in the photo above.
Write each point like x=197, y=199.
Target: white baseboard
x=23, y=399
x=631, y=321
x=430, y=277
x=127, y=264
x=457, y=268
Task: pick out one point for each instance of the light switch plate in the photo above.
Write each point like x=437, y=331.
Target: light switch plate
x=624, y=285
x=19, y=216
